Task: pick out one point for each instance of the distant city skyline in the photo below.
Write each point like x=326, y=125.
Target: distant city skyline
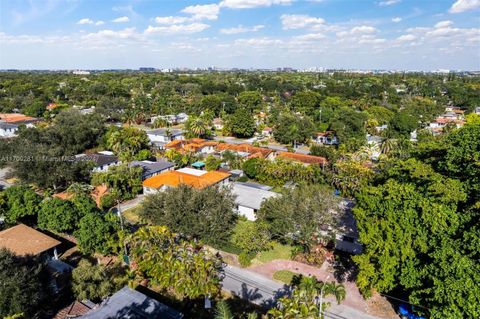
x=343, y=34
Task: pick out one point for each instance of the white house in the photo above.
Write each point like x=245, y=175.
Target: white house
x=218, y=123
x=326, y=138
x=181, y=117
x=162, y=136
x=477, y=110
x=103, y=160
x=8, y=129
x=153, y=168
x=249, y=198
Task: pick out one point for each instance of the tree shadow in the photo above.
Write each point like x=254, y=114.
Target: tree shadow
x=344, y=269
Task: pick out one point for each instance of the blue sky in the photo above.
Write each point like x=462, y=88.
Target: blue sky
x=360, y=34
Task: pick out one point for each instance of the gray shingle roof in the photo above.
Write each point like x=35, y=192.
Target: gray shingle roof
x=249, y=196
x=152, y=167
x=131, y=304
x=163, y=132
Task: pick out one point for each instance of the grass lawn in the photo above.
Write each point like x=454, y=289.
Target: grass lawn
x=284, y=276
x=279, y=251
x=131, y=215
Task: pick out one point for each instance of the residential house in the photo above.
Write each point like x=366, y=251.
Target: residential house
x=187, y=176
x=75, y=310
x=8, y=129
x=249, y=198
x=193, y=145
x=246, y=150
x=23, y=240
x=170, y=119
x=325, y=138
x=97, y=193
x=477, y=110
x=267, y=131
x=129, y=303
x=303, y=158
x=161, y=136
x=102, y=160
x=181, y=117
x=18, y=119
x=218, y=123
x=151, y=169
x=381, y=128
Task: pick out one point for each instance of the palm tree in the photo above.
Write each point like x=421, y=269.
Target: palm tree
x=388, y=146
x=336, y=290
x=222, y=311
x=197, y=126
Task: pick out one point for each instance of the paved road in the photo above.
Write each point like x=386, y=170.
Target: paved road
x=263, y=291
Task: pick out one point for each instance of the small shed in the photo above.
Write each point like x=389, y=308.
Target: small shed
x=198, y=165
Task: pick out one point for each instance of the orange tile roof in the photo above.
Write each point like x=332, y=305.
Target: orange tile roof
x=15, y=117
x=175, y=178
x=23, y=240
x=247, y=148
x=307, y=159
x=97, y=194
x=191, y=145
x=74, y=310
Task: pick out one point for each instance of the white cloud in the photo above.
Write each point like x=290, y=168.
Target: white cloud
x=205, y=11
x=177, y=28
x=464, y=5
x=247, y=4
x=406, y=38
x=123, y=19
x=396, y=19
x=241, y=29
x=444, y=24
x=370, y=39
x=310, y=37
x=258, y=42
x=171, y=20
x=85, y=21
x=363, y=29
x=299, y=21
x=388, y=3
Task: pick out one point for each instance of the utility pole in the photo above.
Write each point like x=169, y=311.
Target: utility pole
x=320, y=310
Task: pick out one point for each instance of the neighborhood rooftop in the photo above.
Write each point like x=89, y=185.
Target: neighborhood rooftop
x=23, y=240
x=306, y=159
x=131, y=304
x=188, y=176
x=249, y=196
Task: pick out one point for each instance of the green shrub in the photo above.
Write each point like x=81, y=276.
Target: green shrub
x=245, y=259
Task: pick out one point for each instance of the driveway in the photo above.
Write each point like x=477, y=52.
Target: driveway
x=264, y=291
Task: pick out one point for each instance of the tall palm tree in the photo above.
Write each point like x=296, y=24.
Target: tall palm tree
x=222, y=311
x=388, y=146
x=197, y=126
x=336, y=290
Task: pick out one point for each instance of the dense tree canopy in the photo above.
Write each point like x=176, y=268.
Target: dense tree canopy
x=18, y=202
x=22, y=288
x=300, y=214
x=418, y=222
x=128, y=143
x=174, y=264
x=205, y=214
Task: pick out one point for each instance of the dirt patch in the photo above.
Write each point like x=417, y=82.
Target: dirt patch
x=379, y=306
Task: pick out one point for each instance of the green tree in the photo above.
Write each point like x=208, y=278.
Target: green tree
x=292, y=129
x=222, y=310
x=241, y=123
x=299, y=214
x=250, y=167
x=58, y=215
x=96, y=232
x=417, y=235
x=128, y=143
x=305, y=102
x=197, y=126
x=206, y=214
x=251, y=236
x=212, y=163
x=22, y=289
x=96, y=282
x=403, y=123
x=124, y=181
x=174, y=264
x=251, y=100
x=19, y=202
x=349, y=126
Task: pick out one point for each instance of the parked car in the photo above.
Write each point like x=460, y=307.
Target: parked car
x=408, y=312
